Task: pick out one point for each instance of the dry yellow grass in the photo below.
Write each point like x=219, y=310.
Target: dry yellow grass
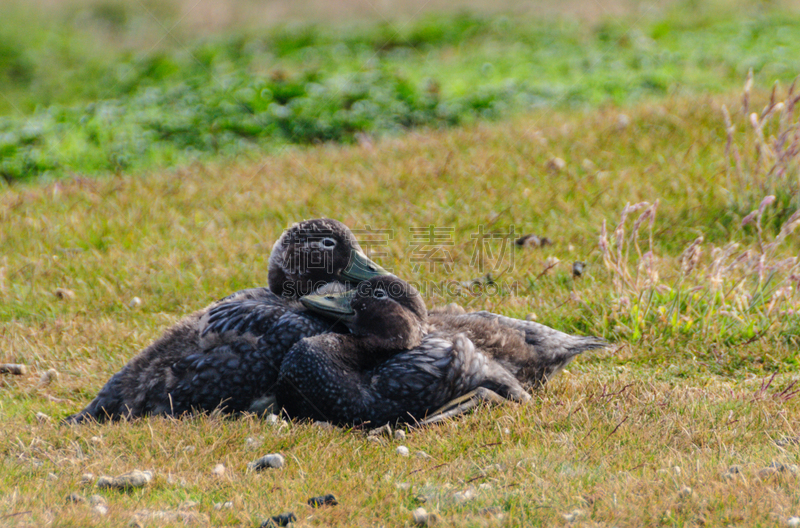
x=640, y=435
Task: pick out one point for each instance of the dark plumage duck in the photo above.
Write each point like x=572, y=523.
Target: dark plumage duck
x=228, y=354
x=392, y=367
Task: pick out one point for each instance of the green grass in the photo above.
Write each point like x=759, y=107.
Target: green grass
x=74, y=101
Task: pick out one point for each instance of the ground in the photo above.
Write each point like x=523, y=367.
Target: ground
x=690, y=418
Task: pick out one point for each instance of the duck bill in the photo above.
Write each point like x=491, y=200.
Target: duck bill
x=334, y=305
x=361, y=268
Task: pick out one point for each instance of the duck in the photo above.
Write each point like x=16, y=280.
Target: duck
x=401, y=363
x=227, y=356
x=392, y=366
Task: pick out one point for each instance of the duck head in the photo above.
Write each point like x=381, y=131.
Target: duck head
x=384, y=312
x=314, y=253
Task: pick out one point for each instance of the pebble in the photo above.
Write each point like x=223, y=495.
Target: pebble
x=573, y=515
x=623, y=121
x=100, y=509
x=685, y=492
x=223, y=505
x=492, y=511
x=793, y=522
x=13, y=368
x=280, y=520
x=464, y=496
x=252, y=443
x=556, y=164
x=130, y=480
x=97, y=499
x=766, y=472
x=275, y=420
x=161, y=517
x=325, y=426
x=48, y=377
x=423, y=518
x=385, y=430
x=273, y=460
x=64, y=293
x=402, y=451
x=75, y=497
x=135, y=302
x=219, y=470
x=399, y=435
x=577, y=268
x=323, y=500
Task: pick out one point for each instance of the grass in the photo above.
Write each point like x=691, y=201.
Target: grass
x=106, y=88
x=615, y=441
x=689, y=420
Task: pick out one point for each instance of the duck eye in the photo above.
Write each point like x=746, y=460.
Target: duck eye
x=328, y=243
x=379, y=294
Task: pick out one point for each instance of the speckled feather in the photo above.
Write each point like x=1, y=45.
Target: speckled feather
x=228, y=355
x=532, y=352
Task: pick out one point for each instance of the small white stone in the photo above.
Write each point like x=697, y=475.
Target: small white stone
x=402, y=451
x=423, y=518
x=556, y=164
x=399, y=435
x=100, y=509
x=685, y=492
x=793, y=522
x=273, y=460
x=86, y=478
x=252, y=443
x=464, y=496
x=623, y=121
x=573, y=515
x=96, y=440
x=97, y=499
x=48, y=377
x=219, y=470
x=676, y=469
x=223, y=505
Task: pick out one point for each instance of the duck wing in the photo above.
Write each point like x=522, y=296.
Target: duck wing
x=316, y=383
x=210, y=357
x=531, y=351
